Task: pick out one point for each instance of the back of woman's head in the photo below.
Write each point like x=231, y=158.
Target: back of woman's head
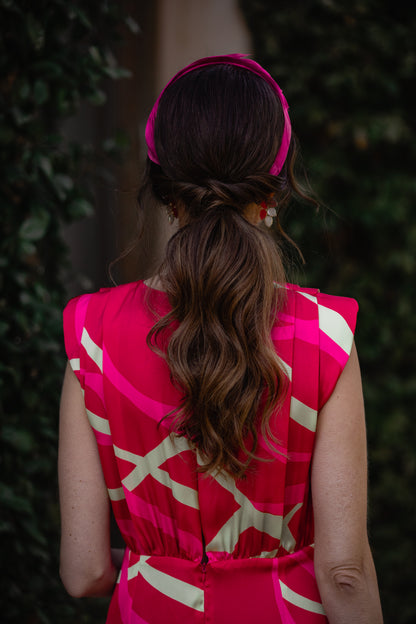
x=219, y=125
x=216, y=135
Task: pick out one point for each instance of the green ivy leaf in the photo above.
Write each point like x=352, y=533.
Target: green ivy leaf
x=12, y=501
x=18, y=438
x=62, y=184
x=31, y=528
x=76, y=12
x=45, y=165
x=25, y=90
x=97, y=97
x=20, y=117
x=34, y=228
x=35, y=31
x=48, y=69
x=80, y=207
x=40, y=92
x=132, y=25
x=95, y=55
x=117, y=72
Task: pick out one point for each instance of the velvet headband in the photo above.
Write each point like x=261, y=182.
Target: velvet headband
x=238, y=60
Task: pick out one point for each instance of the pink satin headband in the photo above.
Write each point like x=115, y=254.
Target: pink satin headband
x=238, y=60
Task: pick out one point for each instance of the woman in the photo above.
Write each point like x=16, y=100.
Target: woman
x=217, y=409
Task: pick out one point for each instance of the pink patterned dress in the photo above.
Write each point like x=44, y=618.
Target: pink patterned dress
x=206, y=549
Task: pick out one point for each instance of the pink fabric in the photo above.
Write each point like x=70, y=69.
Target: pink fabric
x=80, y=316
x=95, y=382
x=256, y=533
x=286, y=618
x=154, y=408
x=282, y=333
x=125, y=601
x=103, y=439
x=239, y=60
x=146, y=511
x=334, y=350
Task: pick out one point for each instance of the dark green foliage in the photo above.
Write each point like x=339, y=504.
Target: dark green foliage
x=54, y=55
x=348, y=71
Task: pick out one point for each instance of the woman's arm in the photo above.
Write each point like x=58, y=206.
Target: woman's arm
x=343, y=562
x=86, y=566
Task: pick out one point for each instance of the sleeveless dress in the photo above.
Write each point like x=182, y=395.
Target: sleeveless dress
x=202, y=548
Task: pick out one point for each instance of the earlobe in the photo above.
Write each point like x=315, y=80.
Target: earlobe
x=171, y=212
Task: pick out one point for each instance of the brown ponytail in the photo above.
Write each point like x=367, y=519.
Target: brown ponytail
x=217, y=132
x=219, y=274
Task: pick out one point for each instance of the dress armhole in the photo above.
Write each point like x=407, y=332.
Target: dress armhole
x=337, y=322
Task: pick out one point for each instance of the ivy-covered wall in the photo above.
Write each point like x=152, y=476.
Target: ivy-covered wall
x=348, y=72
x=54, y=56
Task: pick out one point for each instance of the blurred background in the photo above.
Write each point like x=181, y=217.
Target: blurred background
x=78, y=80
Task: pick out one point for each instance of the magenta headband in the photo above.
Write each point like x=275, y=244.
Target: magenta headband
x=238, y=60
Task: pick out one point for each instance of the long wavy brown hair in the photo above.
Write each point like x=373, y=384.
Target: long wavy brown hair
x=217, y=132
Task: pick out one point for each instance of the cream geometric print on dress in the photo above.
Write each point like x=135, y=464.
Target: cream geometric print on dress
x=93, y=350
x=303, y=414
x=285, y=368
x=245, y=517
x=98, y=423
x=309, y=296
x=336, y=327
x=149, y=465
x=300, y=601
x=287, y=540
x=333, y=324
x=75, y=364
x=116, y=494
x=168, y=585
